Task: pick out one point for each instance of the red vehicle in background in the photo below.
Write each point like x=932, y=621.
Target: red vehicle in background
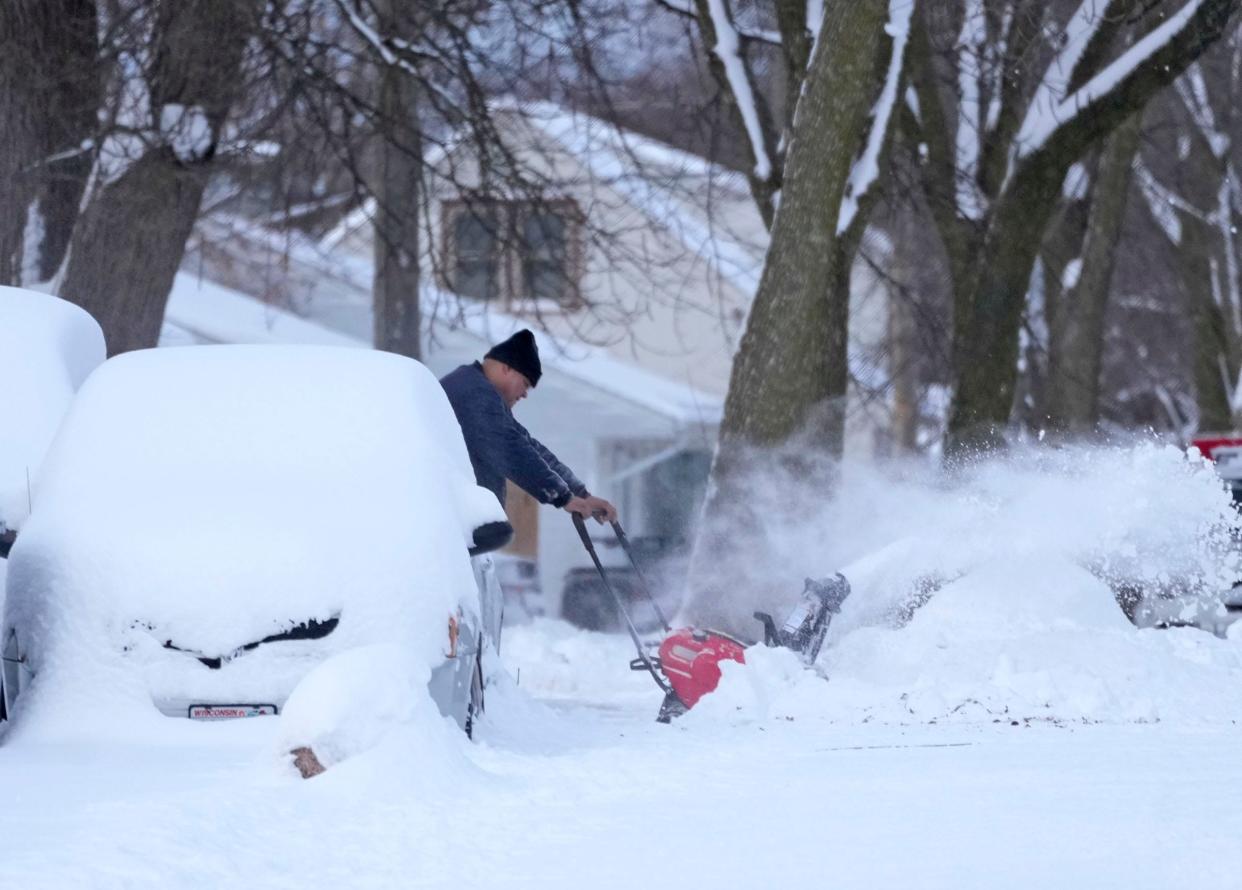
x=1224, y=450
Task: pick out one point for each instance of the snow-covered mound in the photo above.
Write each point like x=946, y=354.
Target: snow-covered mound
x=339, y=710
x=47, y=347
x=212, y=496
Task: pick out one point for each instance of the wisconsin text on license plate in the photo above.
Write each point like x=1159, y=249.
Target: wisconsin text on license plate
x=229, y=712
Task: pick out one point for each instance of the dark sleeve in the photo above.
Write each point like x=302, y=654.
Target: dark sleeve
x=525, y=466
x=574, y=483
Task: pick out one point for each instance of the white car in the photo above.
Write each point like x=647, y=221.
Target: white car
x=47, y=348
x=214, y=521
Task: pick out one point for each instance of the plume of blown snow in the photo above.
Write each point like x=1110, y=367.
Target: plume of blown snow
x=994, y=594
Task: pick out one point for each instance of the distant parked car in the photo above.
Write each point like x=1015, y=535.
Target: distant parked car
x=586, y=603
x=214, y=521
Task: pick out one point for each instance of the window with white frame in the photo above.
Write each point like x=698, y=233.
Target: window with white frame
x=525, y=254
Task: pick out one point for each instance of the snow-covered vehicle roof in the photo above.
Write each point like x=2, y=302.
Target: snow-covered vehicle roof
x=204, y=498
x=47, y=347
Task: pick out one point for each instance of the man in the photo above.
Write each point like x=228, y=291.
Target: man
x=483, y=395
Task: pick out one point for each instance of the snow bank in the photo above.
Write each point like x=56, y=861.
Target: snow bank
x=1026, y=625
x=987, y=597
x=47, y=347
x=213, y=496
x=360, y=699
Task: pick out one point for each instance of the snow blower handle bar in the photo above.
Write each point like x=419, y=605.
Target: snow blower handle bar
x=625, y=545
x=643, y=657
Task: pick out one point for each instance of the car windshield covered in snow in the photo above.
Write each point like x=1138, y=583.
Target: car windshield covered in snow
x=223, y=518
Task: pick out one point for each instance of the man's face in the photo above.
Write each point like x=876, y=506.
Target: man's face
x=512, y=385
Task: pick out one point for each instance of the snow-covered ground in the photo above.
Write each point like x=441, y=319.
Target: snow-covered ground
x=1014, y=730
x=594, y=794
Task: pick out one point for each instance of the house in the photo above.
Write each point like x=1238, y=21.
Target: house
x=633, y=262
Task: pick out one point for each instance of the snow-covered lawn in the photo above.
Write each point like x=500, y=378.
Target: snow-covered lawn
x=594, y=794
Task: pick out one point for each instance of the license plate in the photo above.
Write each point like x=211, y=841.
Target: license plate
x=229, y=712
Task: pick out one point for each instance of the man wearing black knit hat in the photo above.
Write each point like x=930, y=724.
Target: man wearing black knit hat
x=483, y=395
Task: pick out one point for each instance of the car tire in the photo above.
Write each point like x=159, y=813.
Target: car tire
x=475, y=707
x=10, y=672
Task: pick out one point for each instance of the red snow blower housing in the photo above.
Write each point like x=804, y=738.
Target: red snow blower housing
x=687, y=665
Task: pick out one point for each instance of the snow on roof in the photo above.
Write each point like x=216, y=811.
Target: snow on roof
x=218, y=314
x=666, y=185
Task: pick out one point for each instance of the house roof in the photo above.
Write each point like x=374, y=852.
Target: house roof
x=202, y=311
x=708, y=208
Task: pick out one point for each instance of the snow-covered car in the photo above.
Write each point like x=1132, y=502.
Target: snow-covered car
x=47, y=348
x=212, y=522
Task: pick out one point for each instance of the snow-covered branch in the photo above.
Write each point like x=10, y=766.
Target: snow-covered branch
x=686, y=8
x=866, y=168
x=815, y=20
x=1192, y=90
x=969, y=135
x=1042, y=122
x=1054, y=85
x=727, y=51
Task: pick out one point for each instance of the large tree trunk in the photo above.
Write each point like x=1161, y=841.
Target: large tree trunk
x=49, y=96
x=1077, y=336
x=397, y=196
x=787, y=391
x=127, y=246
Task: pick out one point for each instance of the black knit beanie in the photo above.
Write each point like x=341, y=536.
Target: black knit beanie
x=520, y=353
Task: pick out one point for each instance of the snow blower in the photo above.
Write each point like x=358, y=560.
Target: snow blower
x=687, y=664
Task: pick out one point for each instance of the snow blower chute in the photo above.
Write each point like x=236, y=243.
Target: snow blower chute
x=687, y=664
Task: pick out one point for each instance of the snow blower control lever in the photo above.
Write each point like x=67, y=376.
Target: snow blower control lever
x=688, y=664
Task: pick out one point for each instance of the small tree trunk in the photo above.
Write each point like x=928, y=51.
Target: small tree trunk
x=72, y=111
x=788, y=386
x=49, y=94
x=397, y=193
x=1077, y=336
x=1215, y=358
x=986, y=340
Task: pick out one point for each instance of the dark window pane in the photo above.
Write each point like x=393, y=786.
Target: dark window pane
x=544, y=256
x=475, y=255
